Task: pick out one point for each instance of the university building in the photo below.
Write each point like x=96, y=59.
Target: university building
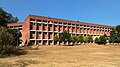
x=41, y=30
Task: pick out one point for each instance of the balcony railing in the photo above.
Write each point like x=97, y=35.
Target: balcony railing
x=39, y=22
x=32, y=30
x=45, y=39
x=32, y=21
x=50, y=39
x=32, y=39
x=39, y=39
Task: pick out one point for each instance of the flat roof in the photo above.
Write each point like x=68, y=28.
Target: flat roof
x=86, y=23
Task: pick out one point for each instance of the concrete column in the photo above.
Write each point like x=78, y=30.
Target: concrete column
x=62, y=27
x=47, y=34
x=36, y=32
x=53, y=33
x=58, y=43
x=67, y=27
x=75, y=29
x=47, y=42
x=79, y=29
x=42, y=32
x=62, y=43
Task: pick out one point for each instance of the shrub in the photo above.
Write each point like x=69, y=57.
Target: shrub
x=7, y=46
x=80, y=39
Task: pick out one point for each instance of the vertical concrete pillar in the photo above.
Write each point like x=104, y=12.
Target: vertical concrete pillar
x=53, y=33
x=62, y=27
x=62, y=43
x=42, y=32
x=57, y=43
x=79, y=30
x=47, y=34
x=67, y=27
x=47, y=42
x=75, y=29
x=35, y=32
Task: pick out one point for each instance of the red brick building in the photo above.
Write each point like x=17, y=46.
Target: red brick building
x=41, y=30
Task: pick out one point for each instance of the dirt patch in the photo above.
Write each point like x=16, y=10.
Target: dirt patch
x=67, y=56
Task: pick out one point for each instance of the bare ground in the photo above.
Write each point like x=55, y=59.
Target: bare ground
x=67, y=56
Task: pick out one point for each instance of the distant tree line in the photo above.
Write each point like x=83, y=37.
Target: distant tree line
x=102, y=40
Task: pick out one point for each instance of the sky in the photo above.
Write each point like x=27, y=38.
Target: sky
x=106, y=12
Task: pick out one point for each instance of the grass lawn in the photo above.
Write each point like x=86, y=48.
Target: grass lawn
x=67, y=56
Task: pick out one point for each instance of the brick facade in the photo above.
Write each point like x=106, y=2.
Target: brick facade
x=41, y=30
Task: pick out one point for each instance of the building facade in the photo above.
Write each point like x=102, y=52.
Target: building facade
x=41, y=30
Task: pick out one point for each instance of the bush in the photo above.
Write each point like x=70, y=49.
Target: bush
x=90, y=39
x=80, y=39
x=101, y=40
x=7, y=46
x=97, y=41
x=86, y=39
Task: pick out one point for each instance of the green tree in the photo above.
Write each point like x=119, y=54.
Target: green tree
x=74, y=39
x=65, y=37
x=7, y=41
x=56, y=38
x=113, y=36
x=103, y=39
x=118, y=34
x=86, y=39
x=80, y=38
x=6, y=18
x=97, y=41
x=16, y=34
x=90, y=39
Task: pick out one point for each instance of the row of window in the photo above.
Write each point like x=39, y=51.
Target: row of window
x=60, y=23
x=77, y=26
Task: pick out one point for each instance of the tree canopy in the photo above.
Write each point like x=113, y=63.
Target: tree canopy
x=115, y=35
x=80, y=38
x=6, y=18
x=90, y=39
x=65, y=36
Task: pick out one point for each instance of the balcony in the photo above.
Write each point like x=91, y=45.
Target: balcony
x=55, y=24
x=50, y=22
x=39, y=39
x=60, y=24
x=69, y=25
x=65, y=24
x=88, y=33
x=56, y=31
x=32, y=30
x=73, y=25
x=44, y=22
x=39, y=30
x=70, y=32
x=45, y=31
x=50, y=31
x=85, y=33
x=39, y=22
x=91, y=33
x=50, y=39
x=95, y=28
x=32, y=21
x=81, y=26
x=32, y=39
x=77, y=33
x=81, y=33
x=84, y=27
x=45, y=39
